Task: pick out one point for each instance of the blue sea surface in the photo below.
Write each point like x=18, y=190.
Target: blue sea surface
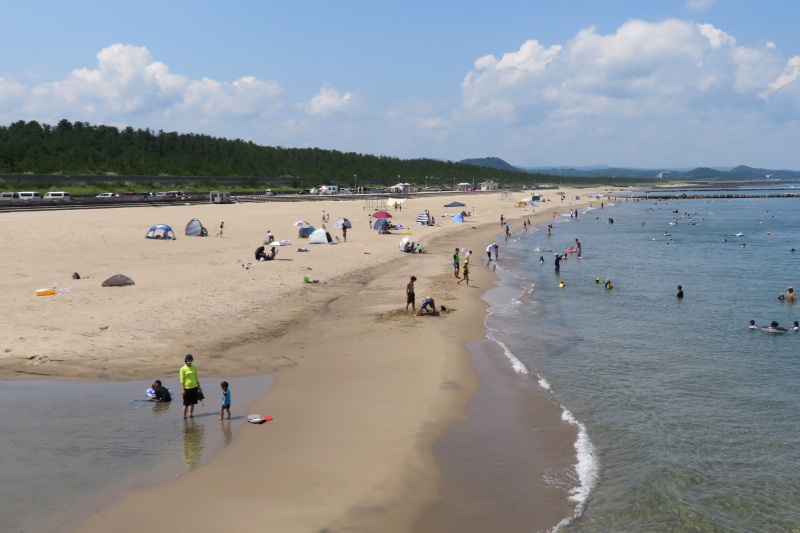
x=688, y=419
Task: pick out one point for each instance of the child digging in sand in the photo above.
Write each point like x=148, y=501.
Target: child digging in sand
x=226, y=400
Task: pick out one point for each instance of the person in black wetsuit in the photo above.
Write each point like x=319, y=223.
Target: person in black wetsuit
x=680, y=291
x=162, y=393
x=558, y=262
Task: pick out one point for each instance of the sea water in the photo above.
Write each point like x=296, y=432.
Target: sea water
x=67, y=444
x=688, y=420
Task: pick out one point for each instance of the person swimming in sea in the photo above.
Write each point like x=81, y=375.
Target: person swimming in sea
x=752, y=325
x=774, y=327
x=796, y=325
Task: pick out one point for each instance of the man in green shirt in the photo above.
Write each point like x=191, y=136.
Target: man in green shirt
x=190, y=385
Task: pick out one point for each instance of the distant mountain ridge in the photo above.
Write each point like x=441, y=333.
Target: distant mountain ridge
x=739, y=173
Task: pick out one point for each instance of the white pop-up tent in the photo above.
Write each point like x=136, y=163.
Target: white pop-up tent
x=319, y=236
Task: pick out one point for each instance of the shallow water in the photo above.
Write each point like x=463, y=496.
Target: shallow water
x=66, y=443
x=690, y=419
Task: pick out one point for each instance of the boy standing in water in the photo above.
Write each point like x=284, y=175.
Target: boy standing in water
x=226, y=400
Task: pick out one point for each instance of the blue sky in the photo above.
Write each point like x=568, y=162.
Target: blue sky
x=666, y=83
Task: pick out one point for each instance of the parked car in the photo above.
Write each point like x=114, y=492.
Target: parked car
x=304, y=191
x=270, y=192
x=60, y=195
x=107, y=195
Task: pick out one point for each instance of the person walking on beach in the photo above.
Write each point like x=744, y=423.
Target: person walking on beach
x=466, y=273
x=323, y=216
x=221, y=229
x=508, y=230
x=502, y=220
x=226, y=400
x=455, y=264
x=410, y=296
x=190, y=385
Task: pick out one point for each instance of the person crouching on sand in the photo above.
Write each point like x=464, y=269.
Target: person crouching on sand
x=427, y=302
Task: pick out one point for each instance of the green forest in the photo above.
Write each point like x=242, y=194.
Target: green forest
x=78, y=148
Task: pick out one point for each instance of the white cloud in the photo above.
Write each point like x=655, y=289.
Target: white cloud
x=327, y=102
x=129, y=86
x=644, y=81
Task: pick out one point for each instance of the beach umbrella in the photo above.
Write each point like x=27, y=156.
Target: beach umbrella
x=381, y=214
x=423, y=219
x=302, y=224
x=403, y=242
x=342, y=223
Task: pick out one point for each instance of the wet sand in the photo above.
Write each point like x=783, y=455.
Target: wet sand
x=506, y=468
x=363, y=389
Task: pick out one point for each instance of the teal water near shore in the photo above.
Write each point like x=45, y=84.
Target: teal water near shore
x=688, y=419
x=67, y=444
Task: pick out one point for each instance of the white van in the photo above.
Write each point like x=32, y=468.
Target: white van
x=329, y=189
x=27, y=195
x=6, y=196
x=61, y=195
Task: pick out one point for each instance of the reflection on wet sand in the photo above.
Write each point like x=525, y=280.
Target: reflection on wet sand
x=227, y=434
x=192, y=442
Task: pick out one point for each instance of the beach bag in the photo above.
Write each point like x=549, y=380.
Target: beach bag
x=200, y=395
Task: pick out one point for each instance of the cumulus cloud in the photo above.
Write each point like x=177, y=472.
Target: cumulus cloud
x=128, y=84
x=327, y=102
x=673, y=73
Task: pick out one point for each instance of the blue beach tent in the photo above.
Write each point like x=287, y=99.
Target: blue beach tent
x=161, y=231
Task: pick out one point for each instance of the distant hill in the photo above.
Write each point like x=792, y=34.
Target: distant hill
x=740, y=173
x=491, y=162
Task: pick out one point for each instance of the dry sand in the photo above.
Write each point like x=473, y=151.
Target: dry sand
x=362, y=387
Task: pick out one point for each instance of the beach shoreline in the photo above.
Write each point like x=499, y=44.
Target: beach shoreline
x=394, y=405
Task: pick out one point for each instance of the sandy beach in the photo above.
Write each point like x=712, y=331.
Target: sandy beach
x=362, y=388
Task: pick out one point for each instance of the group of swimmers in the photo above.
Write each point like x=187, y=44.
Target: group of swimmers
x=774, y=327
x=789, y=295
